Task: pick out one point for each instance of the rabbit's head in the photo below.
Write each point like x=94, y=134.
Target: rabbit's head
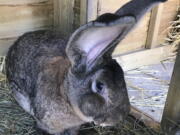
x=96, y=82
x=96, y=85
x=101, y=95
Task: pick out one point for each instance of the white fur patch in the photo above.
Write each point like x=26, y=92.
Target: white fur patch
x=23, y=101
x=81, y=115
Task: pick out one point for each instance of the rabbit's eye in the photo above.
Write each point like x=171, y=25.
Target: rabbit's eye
x=97, y=87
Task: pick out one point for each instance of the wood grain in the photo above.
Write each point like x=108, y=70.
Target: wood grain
x=83, y=11
x=20, y=2
x=148, y=121
x=136, y=39
x=64, y=16
x=144, y=57
x=154, y=25
x=16, y=20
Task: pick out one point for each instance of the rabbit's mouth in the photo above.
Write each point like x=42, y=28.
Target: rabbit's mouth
x=113, y=116
x=81, y=115
x=103, y=124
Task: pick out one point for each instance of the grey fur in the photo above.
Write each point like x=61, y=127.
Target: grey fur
x=51, y=77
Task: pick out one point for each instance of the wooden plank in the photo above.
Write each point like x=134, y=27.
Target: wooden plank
x=171, y=116
x=79, y=13
x=89, y=10
x=20, y=2
x=16, y=20
x=145, y=118
x=136, y=39
x=154, y=26
x=83, y=11
x=110, y=6
x=5, y=44
x=92, y=10
x=64, y=16
x=145, y=57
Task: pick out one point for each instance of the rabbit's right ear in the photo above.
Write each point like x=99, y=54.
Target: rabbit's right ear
x=91, y=41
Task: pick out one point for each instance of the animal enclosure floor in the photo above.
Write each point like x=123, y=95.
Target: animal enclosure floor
x=148, y=87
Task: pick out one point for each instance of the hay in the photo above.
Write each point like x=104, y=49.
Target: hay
x=13, y=119
x=173, y=37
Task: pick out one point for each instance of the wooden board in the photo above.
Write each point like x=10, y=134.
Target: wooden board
x=110, y=6
x=20, y=16
x=20, y=2
x=145, y=57
x=16, y=20
x=154, y=25
x=148, y=121
x=137, y=38
x=83, y=11
x=171, y=116
x=64, y=16
x=92, y=10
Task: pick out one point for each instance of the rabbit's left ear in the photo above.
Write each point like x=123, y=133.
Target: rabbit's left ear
x=91, y=41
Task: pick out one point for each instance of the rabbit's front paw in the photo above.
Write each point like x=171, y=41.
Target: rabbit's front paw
x=72, y=131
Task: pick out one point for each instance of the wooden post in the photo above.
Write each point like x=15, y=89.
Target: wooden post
x=70, y=14
x=171, y=116
x=154, y=24
x=89, y=10
x=64, y=16
x=92, y=10
x=83, y=11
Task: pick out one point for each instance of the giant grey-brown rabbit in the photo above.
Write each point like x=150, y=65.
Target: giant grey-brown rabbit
x=64, y=83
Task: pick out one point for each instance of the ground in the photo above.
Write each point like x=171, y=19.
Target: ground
x=148, y=87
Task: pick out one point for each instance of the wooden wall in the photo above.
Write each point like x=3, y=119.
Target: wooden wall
x=20, y=16
x=137, y=39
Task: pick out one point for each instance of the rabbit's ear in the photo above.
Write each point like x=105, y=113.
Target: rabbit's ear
x=94, y=39
x=91, y=41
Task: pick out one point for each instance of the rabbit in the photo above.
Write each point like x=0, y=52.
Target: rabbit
x=66, y=82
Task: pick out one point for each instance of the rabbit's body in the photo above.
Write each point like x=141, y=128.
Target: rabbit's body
x=37, y=80
x=65, y=83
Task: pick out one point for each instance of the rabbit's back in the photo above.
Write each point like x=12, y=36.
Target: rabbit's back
x=36, y=66
x=29, y=55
